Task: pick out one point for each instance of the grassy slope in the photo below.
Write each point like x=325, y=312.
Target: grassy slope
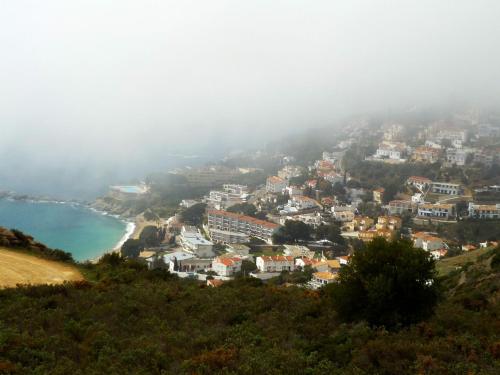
x=447, y=265
x=20, y=266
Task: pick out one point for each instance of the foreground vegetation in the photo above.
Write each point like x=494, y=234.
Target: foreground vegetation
x=127, y=319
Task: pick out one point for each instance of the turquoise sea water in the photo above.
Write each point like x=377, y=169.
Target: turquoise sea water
x=84, y=233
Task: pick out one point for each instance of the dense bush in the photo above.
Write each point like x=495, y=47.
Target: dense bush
x=128, y=320
x=388, y=284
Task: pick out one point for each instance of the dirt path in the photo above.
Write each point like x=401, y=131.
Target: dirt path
x=18, y=268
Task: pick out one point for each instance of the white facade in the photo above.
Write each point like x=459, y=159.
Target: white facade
x=299, y=203
x=484, y=211
x=444, y=211
x=192, y=241
x=290, y=171
x=446, y=188
x=226, y=266
x=343, y=213
x=294, y=191
x=275, y=184
x=275, y=263
x=230, y=195
x=428, y=242
x=231, y=222
x=228, y=237
x=456, y=156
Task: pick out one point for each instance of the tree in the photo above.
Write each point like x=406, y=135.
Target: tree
x=244, y=209
x=330, y=232
x=387, y=284
x=194, y=214
x=131, y=248
x=149, y=236
x=325, y=186
x=247, y=267
x=292, y=231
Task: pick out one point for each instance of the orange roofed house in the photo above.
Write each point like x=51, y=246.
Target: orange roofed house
x=421, y=183
x=226, y=224
x=226, y=266
x=426, y=154
x=427, y=241
x=275, y=263
x=275, y=184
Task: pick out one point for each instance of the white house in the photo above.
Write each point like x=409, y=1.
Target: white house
x=275, y=184
x=484, y=211
x=293, y=190
x=436, y=210
x=428, y=241
x=446, y=188
x=343, y=213
x=275, y=263
x=299, y=203
x=226, y=266
x=321, y=279
x=193, y=242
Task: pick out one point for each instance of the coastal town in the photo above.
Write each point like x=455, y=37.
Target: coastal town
x=299, y=218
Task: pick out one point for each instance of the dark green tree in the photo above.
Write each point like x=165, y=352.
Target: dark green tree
x=150, y=236
x=330, y=232
x=387, y=284
x=132, y=248
x=194, y=214
x=243, y=209
x=292, y=231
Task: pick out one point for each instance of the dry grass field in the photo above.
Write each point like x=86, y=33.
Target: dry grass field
x=19, y=268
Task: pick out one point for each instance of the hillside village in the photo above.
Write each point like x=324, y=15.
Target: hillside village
x=303, y=213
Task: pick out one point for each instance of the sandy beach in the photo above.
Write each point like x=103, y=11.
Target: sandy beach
x=19, y=268
x=140, y=223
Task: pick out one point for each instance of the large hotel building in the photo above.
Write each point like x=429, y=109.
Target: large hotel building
x=225, y=226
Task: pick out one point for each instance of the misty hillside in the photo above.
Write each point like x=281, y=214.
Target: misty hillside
x=130, y=320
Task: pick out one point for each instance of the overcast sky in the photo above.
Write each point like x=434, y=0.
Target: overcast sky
x=94, y=79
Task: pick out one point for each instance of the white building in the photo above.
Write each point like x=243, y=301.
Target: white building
x=226, y=266
x=294, y=190
x=321, y=279
x=228, y=237
x=395, y=151
x=484, y=211
x=343, y=213
x=230, y=195
x=427, y=241
x=299, y=203
x=421, y=183
x=446, y=188
x=275, y=184
x=332, y=177
x=436, y=210
x=290, y=171
x=417, y=198
x=313, y=219
x=184, y=262
x=275, y=263
x=193, y=242
x=456, y=156
x=231, y=222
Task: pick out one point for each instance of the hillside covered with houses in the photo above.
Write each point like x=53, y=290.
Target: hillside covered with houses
x=299, y=204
